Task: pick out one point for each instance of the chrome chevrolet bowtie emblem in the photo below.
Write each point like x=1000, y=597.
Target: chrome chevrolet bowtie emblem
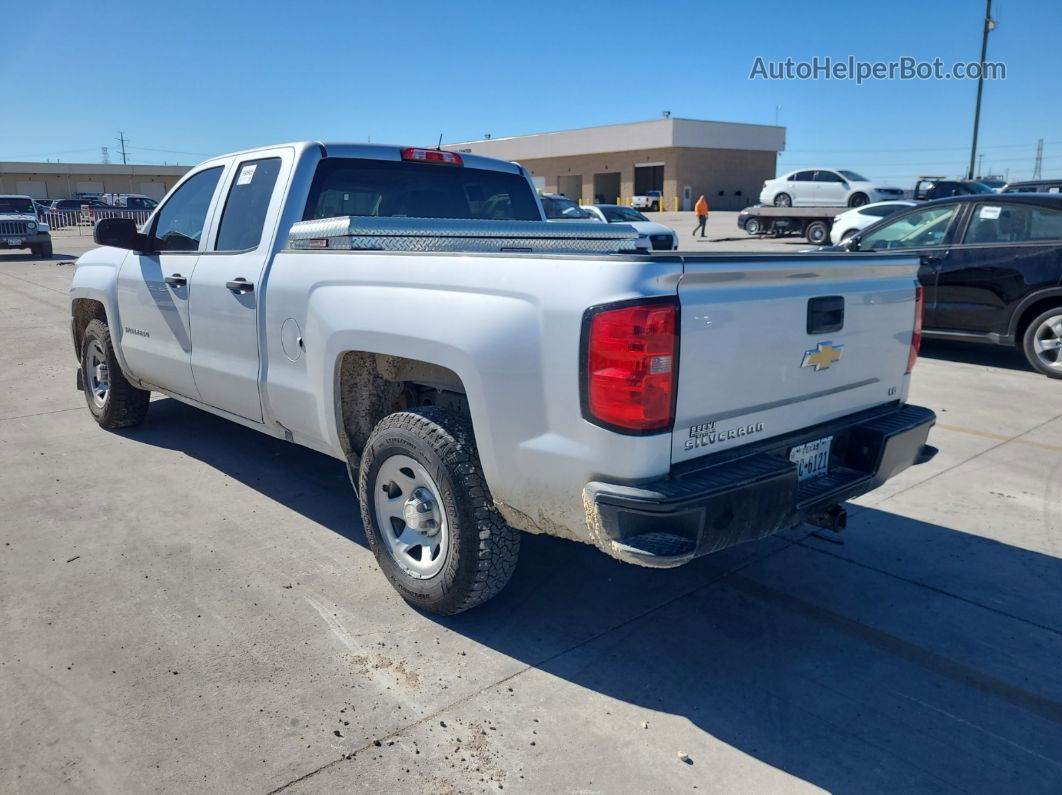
x=822, y=356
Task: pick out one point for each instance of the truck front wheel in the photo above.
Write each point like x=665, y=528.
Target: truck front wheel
x=113, y=401
x=817, y=233
x=428, y=515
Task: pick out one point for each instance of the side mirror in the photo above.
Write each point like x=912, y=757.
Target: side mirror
x=119, y=233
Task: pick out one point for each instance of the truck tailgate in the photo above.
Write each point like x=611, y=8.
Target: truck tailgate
x=772, y=344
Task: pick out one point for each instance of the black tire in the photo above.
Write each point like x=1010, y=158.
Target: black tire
x=817, y=233
x=35, y=251
x=847, y=235
x=1038, y=330
x=123, y=405
x=46, y=250
x=783, y=200
x=858, y=200
x=481, y=549
x=654, y=207
x=753, y=226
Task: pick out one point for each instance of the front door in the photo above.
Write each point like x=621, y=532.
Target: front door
x=153, y=289
x=830, y=188
x=226, y=285
x=1008, y=251
x=925, y=233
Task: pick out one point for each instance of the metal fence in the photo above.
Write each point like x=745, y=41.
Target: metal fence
x=82, y=221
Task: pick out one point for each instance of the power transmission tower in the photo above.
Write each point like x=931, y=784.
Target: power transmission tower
x=106, y=155
x=121, y=140
x=1037, y=174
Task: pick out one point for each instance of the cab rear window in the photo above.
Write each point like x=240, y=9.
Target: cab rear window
x=402, y=189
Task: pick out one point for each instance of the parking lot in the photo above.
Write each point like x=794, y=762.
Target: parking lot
x=191, y=606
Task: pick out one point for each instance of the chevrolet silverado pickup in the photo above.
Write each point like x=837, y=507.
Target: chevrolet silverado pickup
x=483, y=372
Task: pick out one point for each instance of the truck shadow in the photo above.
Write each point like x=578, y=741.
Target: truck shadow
x=911, y=655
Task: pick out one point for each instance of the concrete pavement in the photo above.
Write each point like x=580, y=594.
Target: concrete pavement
x=189, y=605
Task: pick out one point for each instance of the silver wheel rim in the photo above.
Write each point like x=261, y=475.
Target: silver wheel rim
x=410, y=517
x=1047, y=342
x=99, y=380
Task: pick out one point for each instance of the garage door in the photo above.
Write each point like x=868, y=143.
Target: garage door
x=32, y=188
x=648, y=177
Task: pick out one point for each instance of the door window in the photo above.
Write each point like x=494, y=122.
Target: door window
x=827, y=176
x=243, y=218
x=803, y=176
x=919, y=229
x=1013, y=223
x=179, y=224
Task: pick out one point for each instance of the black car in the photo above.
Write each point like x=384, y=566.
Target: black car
x=991, y=268
x=1034, y=186
x=929, y=188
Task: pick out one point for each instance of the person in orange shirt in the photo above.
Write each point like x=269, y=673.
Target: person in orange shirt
x=701, y=208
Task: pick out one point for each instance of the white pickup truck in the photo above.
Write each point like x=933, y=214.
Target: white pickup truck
x=483, y=372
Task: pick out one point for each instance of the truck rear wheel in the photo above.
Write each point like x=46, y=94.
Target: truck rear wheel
x=428, y=515
x=113, y=401
x=753, y=226
x=817, y=233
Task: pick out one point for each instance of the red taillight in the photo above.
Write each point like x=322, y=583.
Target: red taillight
x=631, y=363
x=432, y=156
x=916, y=335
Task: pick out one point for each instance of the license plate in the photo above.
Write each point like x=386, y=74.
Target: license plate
x=14, y=241
x=812, y=458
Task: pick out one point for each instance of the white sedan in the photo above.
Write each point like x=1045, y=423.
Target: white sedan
x=847, y=224
x=825, y=187
x=651, y=235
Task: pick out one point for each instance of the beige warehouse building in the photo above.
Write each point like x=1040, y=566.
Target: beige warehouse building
x=727, y=162
x=66, y=180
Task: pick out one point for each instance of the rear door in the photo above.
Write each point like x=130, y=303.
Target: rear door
x=226, y=285
x=774, y=344
x=802, y=188
x=153, y=287
x=1007, y=250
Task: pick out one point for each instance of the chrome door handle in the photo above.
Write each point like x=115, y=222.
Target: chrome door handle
x=240, y=286
x=176, y=280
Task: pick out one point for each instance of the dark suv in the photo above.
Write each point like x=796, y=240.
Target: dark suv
x=991, y=268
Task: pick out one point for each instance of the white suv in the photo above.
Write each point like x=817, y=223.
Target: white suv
x=825, y=188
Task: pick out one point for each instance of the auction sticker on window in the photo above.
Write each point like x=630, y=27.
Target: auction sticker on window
x=989, y=213
x=246, y=174
x=812, y=458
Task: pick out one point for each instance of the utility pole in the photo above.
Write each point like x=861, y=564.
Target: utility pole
x=980, y=171
x=106, y=155
x=1037, y=173
x=989, y=26
x=121, y=140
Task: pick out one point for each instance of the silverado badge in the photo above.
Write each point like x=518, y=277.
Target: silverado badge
x=822, y=356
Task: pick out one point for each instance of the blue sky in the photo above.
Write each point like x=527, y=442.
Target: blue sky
x=196, y=78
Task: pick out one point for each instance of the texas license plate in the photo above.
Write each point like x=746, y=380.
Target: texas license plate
x=14, y=241
x=812, y=458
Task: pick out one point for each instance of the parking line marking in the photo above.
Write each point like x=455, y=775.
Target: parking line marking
x=1054, y=448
